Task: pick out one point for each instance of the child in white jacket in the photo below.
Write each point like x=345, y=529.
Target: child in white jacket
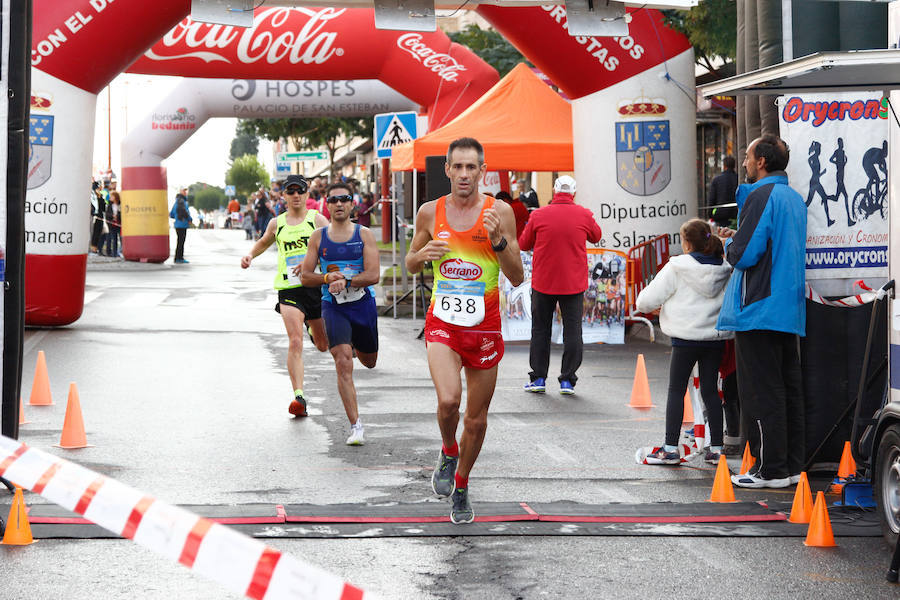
x=690, y=289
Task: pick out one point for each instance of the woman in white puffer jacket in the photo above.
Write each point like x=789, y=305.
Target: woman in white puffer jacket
x=689, y=289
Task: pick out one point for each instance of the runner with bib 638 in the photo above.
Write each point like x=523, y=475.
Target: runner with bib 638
x=470, y=238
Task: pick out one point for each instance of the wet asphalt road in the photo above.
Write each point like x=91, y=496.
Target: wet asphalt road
x=184, y=392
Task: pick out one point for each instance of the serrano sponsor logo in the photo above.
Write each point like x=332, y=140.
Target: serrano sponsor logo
x=490, y=356
x=458, y=268
x=443, y=65
x=443, y=234
x=440, y=333
x=271, y=39
x=486, y=344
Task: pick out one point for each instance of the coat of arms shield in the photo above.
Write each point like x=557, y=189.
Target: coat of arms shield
x=643, y=162
x=40, y=150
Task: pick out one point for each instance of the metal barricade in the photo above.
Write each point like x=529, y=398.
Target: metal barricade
x=644, y=262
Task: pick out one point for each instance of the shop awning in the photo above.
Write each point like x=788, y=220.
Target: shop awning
x=821, y=72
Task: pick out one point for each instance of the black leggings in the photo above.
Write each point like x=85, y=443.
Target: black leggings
x=683, y=360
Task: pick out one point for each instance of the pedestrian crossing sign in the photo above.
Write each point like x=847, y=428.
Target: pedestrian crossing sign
x=392, y=129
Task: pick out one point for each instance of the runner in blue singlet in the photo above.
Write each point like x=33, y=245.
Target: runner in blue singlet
x=348, y=257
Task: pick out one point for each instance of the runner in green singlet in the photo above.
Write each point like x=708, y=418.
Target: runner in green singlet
x=296, y=304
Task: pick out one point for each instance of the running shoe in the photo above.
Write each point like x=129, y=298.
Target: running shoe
x=661, y=457
x=795, y=479
x=298, y=407
x=755, y=480
x=566, y=388
x=538, y=386
x=442, y=479
x=357, y=437
x=712, y=457
x=462, y=510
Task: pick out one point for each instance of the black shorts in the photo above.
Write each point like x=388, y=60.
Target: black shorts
x=308, y=300
x=354, y=323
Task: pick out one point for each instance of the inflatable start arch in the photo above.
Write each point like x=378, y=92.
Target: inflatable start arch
x=79, y=46
x=633, y=116
x=145, y=223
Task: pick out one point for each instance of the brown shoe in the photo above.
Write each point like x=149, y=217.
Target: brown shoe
x=298, y=407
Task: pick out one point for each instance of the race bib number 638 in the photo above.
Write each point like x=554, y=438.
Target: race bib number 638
x=459, y=302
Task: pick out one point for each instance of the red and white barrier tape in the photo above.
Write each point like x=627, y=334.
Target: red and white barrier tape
x=850, y=301
x=238, y=562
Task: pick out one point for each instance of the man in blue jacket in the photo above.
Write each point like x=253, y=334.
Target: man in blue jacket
x=182, y=215
x=766, y=308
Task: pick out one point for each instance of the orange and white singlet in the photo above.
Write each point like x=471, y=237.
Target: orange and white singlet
x=466, y=293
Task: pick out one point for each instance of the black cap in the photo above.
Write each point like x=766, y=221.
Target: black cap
x=296, y=180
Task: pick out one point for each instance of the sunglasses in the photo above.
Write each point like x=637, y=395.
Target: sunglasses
x=295, y=190
x=335, y=199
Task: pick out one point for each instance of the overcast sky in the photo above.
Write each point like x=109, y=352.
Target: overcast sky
x=204, y=157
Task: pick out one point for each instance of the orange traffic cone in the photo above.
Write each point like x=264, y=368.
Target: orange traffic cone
x=40, y=387
x=748, y=460
x=18, y=529
x=819, y=534
x=847, y=468
x=640, y=390
x=22, y=420
x=722, y=490
x=73, y=425
x=801, y=510
x=688, y=407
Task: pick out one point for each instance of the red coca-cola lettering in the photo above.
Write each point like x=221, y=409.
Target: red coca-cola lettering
x=266, y=41
x=445, y=66
x=460, y=269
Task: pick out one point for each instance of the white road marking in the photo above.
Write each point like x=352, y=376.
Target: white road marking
x=557, y=454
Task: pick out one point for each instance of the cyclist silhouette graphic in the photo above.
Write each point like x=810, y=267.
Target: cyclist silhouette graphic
x=815, y=179
x=839, y=160
x=871, y=198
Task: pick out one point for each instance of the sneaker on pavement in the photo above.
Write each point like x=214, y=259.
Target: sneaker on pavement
x=661, y=457
x=298, y=407
x=462, y=510
x=712, y=457
x=755, y=480
x=442, y=479
x=795, y=479
x=566, y=388
x=357, y=436
x=538, y=385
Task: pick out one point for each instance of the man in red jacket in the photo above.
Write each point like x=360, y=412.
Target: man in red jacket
x=558, y=234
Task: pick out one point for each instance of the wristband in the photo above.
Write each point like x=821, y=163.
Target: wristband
x=501, y=245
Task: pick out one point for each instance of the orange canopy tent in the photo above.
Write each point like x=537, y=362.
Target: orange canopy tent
x=521, y=122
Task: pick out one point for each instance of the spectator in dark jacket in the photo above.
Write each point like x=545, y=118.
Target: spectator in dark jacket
x=558, y=234
x=721, y=191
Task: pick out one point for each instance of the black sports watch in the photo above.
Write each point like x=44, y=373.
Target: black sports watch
x=501, y=245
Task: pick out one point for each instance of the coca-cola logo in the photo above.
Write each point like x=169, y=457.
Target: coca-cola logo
x=443, y=65
x=460, y=269
x=272, y=38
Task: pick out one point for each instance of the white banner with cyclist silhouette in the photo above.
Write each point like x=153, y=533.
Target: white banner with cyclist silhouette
x=839, y=146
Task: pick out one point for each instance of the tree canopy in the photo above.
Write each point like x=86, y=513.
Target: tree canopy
x=333, y=133
x=247, y=175
x=207, y=197
x=490, y=46
x=711, y=27
x=243, y=143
